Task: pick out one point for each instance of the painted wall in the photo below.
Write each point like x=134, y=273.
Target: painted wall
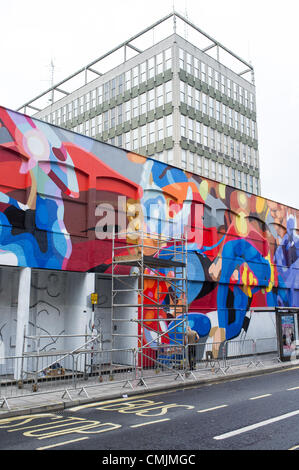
x=61, y=193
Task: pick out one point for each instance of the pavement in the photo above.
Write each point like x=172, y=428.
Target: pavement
x=15, y=402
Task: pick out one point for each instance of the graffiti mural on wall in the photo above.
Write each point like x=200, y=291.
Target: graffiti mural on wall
x=57, y=188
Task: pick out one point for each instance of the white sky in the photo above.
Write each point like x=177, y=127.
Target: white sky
x=72, y=33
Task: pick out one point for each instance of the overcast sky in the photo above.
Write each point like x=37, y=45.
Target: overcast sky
x=72, y=33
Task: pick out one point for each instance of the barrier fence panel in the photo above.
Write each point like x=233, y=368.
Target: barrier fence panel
x=102, y=367
x=166, y=359
x=267, y=349
x=240, y=352
x=208, y=357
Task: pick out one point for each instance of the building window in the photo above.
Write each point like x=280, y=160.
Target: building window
x=220, y=172
x=160, y=128
x=233, y=172
x=169, y=124
x=226, y=175
x=120, y=84
x=190, y=95
x=143, y=136
x=197, y=100
x=168, y=59
x=119, y=114
x=198, y=132
x=211, y=107
x=199, y=164
x=222, y=84
x=113, y=87
x=127, y=110
x=182, y=92
x=251, y=184
x=238, y=149
x=128, y=80
x=218, y=107
x=106, y=121
x=245, y=182
x=143, y=103
x=181, y=59
x=239, y=179
x=143, y=72
x=225, y=141
x=99, y=124
x=159, y=63
x=206, y=167
x=217, y=83
x=112, y=116
x=106, y=91
x=205, y=136
x=190, y=129
x=127, y=140
x=151, y=67
x=213, y=170
x=135, y=108
x=191, y=161
x=100, y=94
x=219, y=142
x=183, y=159
x=135, y=138
x=183, y=126
x=196, y=68
x=244, y=157
x=212, y=139
x=189, y=63
x=168, y=92
x=151, y=132
x=232, y=147
x=203, y=72
x=224, y=113
x=210, y=76
x=151, y=100
x=135, y=76
x=160, y=95
x=204, y=103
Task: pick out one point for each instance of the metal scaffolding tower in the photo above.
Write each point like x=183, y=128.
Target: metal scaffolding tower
x=149, y=292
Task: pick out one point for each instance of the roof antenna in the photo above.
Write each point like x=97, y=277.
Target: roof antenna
x=186, y=26
x=52, y=67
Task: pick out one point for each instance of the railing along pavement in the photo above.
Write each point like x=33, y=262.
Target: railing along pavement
x=80, y=370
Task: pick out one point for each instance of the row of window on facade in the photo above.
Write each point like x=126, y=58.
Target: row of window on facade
x=215, y=109
x=212, y=77
x=210, y=169
x=218, y=171
x=157, y=97
x=218, y=141
x=126, y=111
x=140, y=74
x=162, y=128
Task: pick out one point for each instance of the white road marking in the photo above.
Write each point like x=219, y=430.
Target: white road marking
x=261, y=396
x=62, y=443
x=211, y=409
x=256, y=425
x=149, y=422
x=293, y=388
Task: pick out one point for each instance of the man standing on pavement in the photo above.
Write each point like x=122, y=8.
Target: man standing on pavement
x=191, y=338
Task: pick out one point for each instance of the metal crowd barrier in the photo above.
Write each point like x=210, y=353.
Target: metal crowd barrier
x=65, y=373
x=79, y=370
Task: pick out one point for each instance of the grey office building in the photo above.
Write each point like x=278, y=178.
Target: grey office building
x=176, y=100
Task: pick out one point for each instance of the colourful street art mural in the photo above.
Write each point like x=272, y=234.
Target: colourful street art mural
x=61, y=194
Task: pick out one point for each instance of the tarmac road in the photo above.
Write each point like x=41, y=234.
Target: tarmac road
x=259, y=412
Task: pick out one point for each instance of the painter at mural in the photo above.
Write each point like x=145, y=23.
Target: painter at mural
x=62, y=195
